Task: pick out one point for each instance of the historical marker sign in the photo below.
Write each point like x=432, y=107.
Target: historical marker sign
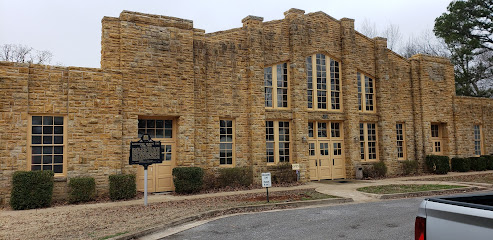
x=145, y=151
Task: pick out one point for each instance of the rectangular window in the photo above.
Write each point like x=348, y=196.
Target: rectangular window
x=327, y=93
x=368, y=142
x=226, y=142
x=276, y=86
x=478, y=143
x=366, y=93
x=401, y=145
x=47, y=144
x=277, y=141
x=322, y=129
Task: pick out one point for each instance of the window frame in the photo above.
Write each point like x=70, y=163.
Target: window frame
x=362, y=92
x=275, y=87
x=329, y=76
x=64, y=144
x=480, y=140
x=277, y=142
x=366, y=142
x=233, y=143
x=403, y=141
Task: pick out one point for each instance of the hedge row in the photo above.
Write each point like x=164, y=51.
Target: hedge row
x=438, y=164
x=194, y=179
x=34, y=189
x=482, y=163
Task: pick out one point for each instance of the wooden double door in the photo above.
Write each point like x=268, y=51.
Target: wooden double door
x=326, y=160
x=326, y=151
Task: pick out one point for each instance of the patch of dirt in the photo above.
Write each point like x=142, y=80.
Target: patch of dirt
x=95, y=222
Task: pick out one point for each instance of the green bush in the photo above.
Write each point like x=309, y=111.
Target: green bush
x=410, y=167
x=489, y=161
x=31, y=189
x=478, y=164
x=188, y=179
x=235, y=177
x=376, y=170
x=82, y=189
x=283, y=173
x=122, y=186
x=438, y=164
x=461, y=164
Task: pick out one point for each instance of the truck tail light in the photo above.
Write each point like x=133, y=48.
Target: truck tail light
x=420, y=228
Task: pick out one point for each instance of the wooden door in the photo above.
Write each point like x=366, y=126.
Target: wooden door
x=163, y=173
x=324, y=160
x=313, y=159
x=338, y=170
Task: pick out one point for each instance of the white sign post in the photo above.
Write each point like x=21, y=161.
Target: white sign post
x=266, y=183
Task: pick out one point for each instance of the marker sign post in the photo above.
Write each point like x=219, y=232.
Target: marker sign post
x=296, y=167
x=266, y=183
x=145, y=152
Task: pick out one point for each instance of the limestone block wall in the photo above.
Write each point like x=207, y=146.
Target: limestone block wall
x=90, y=99
x=469, y=112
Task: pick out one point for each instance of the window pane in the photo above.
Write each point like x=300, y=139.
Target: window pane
x=35, y=167
x=151, y=123
x=36, y=159
x=58, y=159
x=58, y=140
x=159, y=124
x=37, y=150
x=47, y=150
x=159, y=133
x=47, y=139
x=47, y=120
x=36, y=140
x=58, y=120
x=47, y=167
x=47, y=130
x=142, y=123
x=37, y=120
x=58, y=168
x=58, y=150
x=37, y=130
x=47, y=159
x=59, y=130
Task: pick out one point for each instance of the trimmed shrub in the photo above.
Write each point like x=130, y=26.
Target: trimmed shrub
x=438, y=164
x=283, y=173
x=376, y=170
x=188, y=179
x=31, y=189
x=409, y=167
x=461, y=164
x=489, y=161
x=82, y=189
x=478, y=164
x=235, y=177
x=122, y=186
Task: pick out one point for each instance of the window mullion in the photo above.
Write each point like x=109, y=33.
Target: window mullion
x=365, y=133
x=276, y=142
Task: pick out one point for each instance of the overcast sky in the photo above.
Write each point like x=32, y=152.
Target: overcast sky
x=71, y=30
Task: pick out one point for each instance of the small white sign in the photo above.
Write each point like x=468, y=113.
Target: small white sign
x=266, y=182
x=295, y=166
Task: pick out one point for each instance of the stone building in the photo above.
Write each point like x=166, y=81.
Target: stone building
x=307, y=89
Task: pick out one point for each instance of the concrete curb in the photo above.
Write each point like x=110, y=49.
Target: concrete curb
x=228, y=211
x=425, y=193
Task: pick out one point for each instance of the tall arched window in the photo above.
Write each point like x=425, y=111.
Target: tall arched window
x=324, y=84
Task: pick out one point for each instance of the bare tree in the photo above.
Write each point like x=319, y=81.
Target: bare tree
x=24, y=54
x=393, y=35
x=368, y=28
x=391, y=32
x=425, y=43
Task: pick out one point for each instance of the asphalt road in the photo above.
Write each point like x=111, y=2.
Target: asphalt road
x=377, y=220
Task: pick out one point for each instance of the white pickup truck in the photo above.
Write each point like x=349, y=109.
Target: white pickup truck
x=462, y=217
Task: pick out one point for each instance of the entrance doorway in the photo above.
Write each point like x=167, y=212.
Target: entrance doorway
x=159, y=176
x=326, y=151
